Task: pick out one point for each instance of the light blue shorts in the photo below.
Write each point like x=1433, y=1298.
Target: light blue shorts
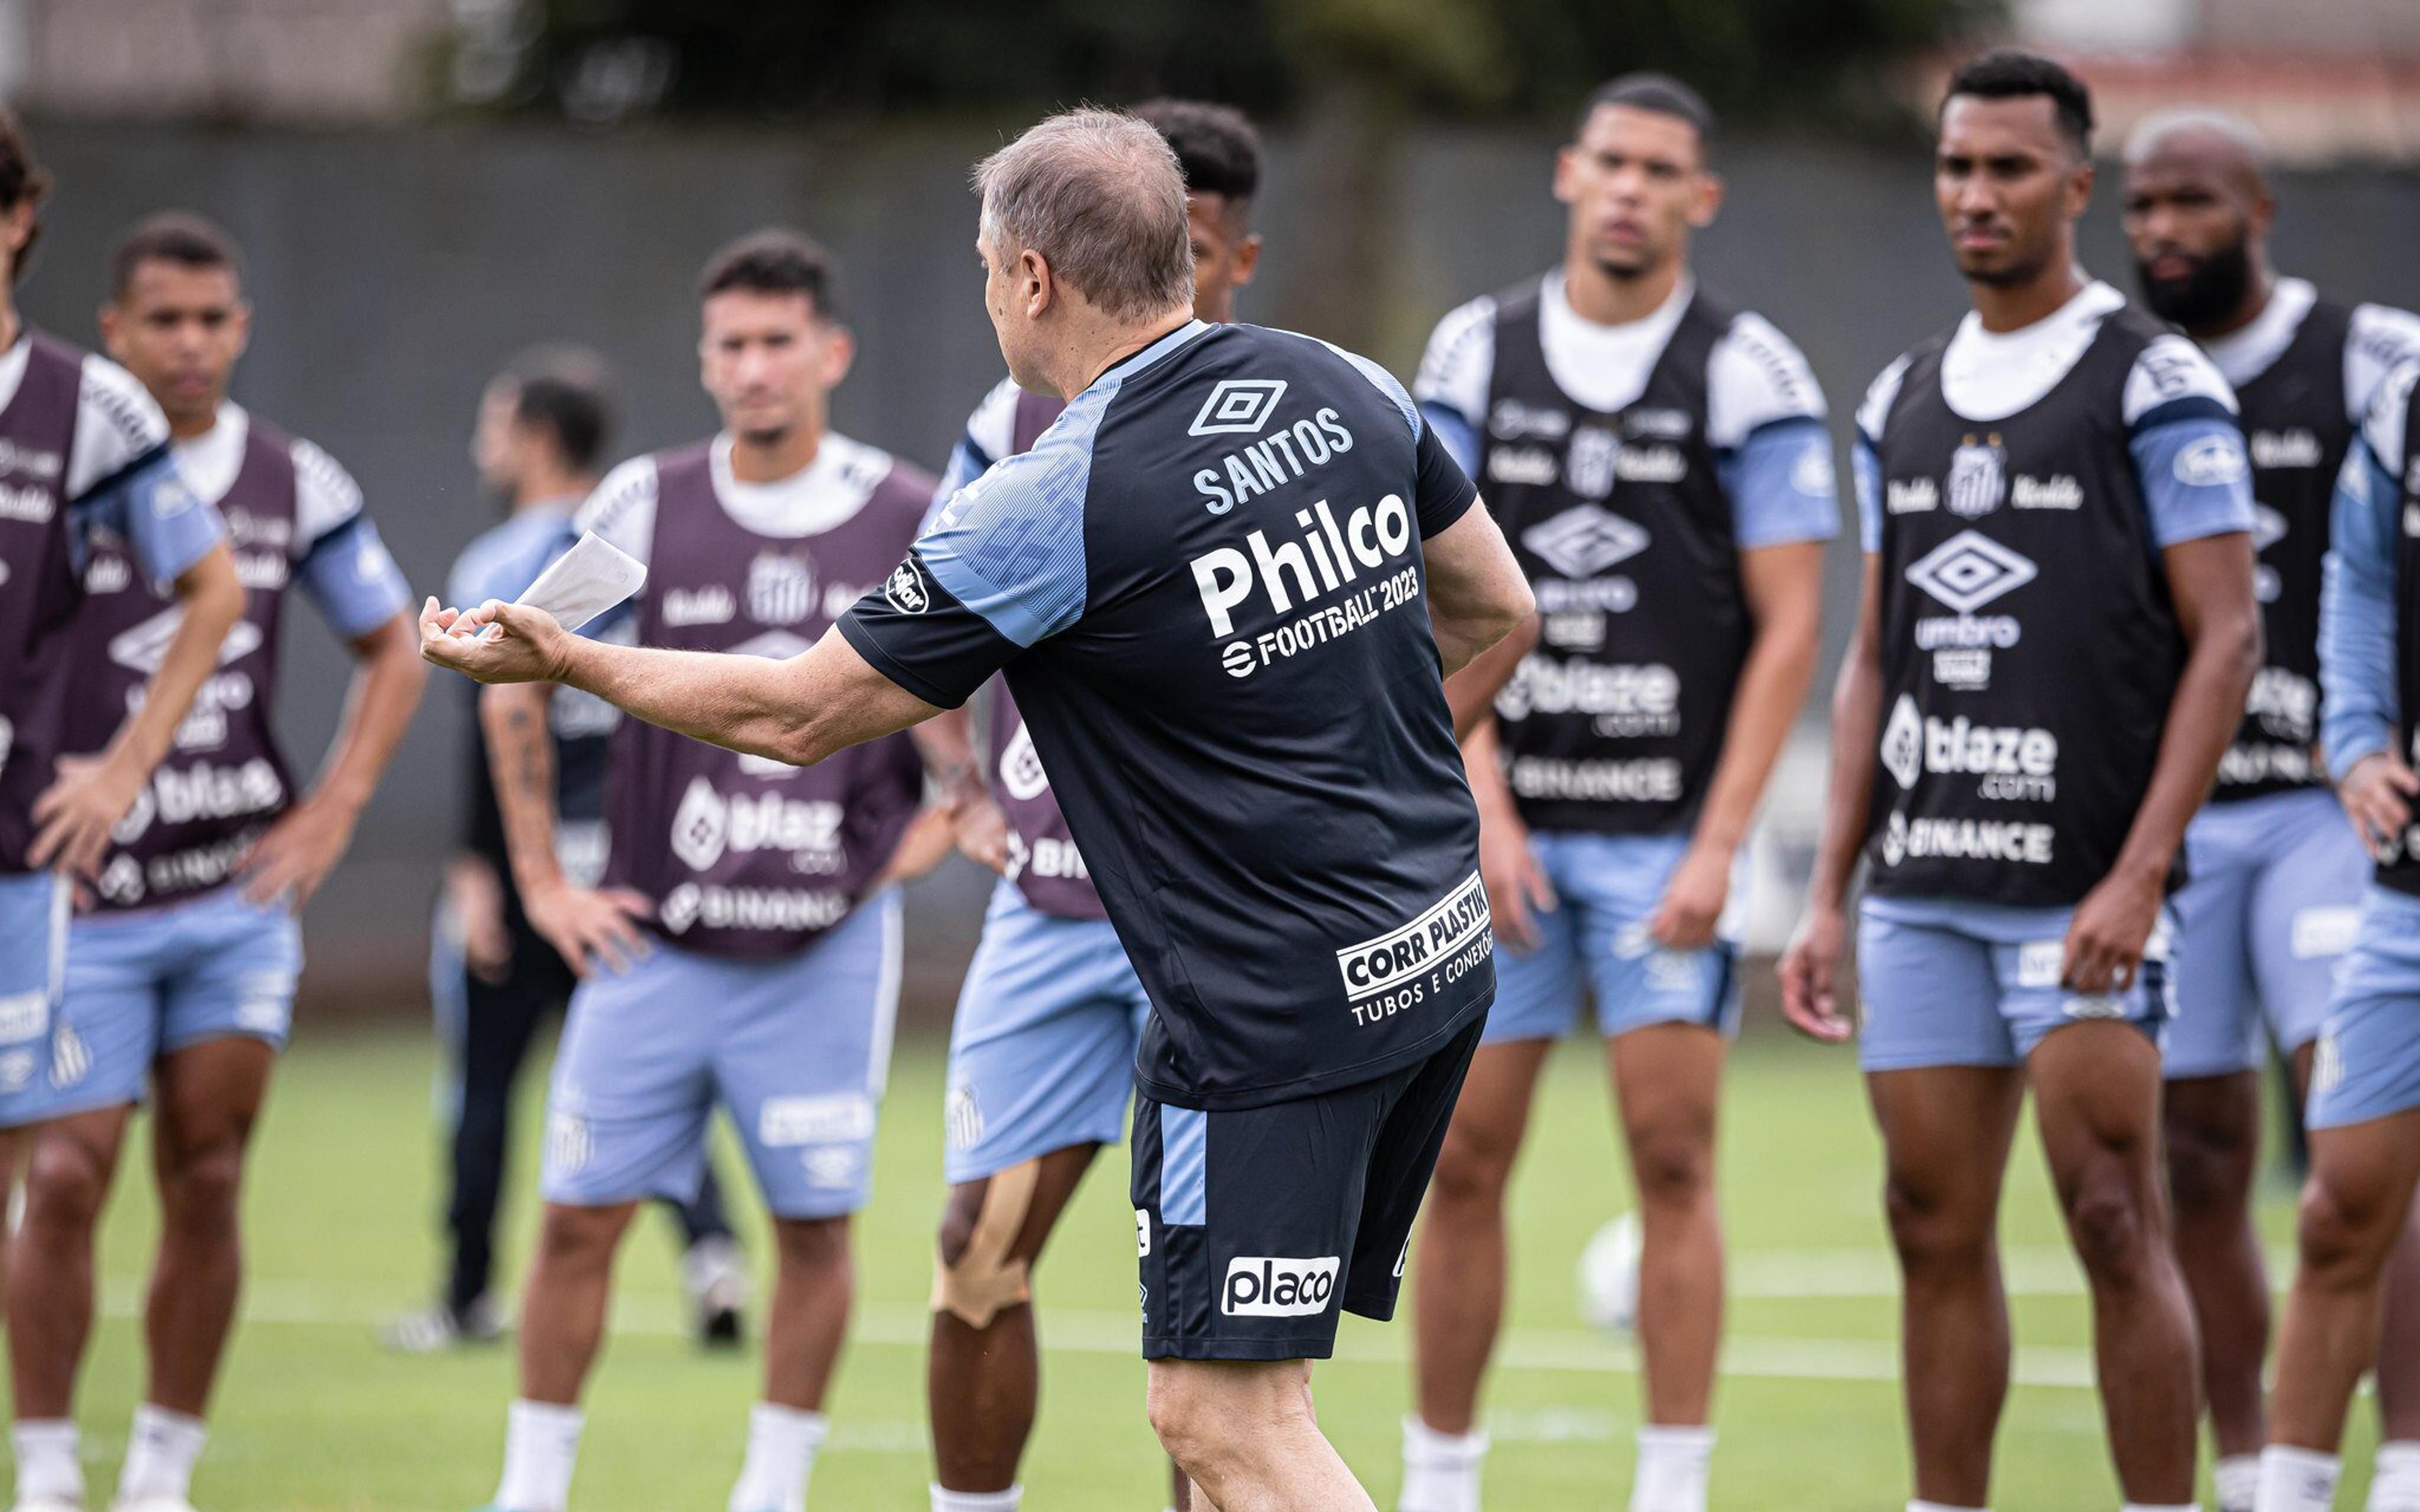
x=145, y=984
x=1943, y=982
x=33, y=967
x=796, y=1049
x=1042, y=1051
x=2272, y=901
x=2368, y=1061
x=1595, y=939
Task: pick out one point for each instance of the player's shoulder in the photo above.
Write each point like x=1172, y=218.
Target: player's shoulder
x=110, y=397
x=325, y=493
x=1458, y=364
x=891, y=485
x=1328, y=360
x=1755, y=375
x=2387, y=428
x=2169, y=377
x=2377, y=339
x=992, y=428
x=624, y=492
x=1883, y=394
x=506, y=558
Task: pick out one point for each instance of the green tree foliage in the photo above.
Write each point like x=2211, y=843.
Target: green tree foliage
x=1757, y=59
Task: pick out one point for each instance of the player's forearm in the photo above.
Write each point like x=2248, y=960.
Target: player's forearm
x=946, y=744
x=1772, y=688
x=2202, y=720
x=213, y=598
x=1856, y=721
x=1470, y=692
x=388, y=680
x=520, y=761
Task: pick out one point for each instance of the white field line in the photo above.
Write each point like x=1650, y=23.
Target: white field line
x=1097, y=1332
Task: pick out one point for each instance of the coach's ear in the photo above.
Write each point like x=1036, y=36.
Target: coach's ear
x=1708, y=202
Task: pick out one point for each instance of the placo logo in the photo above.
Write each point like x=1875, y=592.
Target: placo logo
x=1238, y=407
x=1583, y=542
x=1272, y=1286
x=1969, y=570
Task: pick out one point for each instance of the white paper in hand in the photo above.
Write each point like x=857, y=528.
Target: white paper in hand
x=586, y=581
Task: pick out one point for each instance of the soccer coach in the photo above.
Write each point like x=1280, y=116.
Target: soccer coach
x=1223, y=587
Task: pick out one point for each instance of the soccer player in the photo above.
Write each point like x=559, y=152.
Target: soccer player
x=1224, y=586
x=767, y=975
x=180, y=977
x=1659, y=461
x=2364, y=1109
x=2274, y=876
x=542, y=428
x=87, y=472
x=2054, y=640
x=1041, y=1049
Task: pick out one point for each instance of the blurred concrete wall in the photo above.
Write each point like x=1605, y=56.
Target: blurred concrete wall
x=394, y=272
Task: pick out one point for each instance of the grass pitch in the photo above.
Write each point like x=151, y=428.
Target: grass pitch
x=342, y=1199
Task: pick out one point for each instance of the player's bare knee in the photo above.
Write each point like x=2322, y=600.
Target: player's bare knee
x=813, y=1245
x=1472, y=1171
x=2343, y=1236
x=1673, y=1167
x=205, y=1189
x=65, y=1183
x=1933, y=1230
x=959, y=1214
x=578, y=1239
x=2110, y=1228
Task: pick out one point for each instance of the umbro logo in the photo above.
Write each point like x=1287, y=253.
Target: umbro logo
x=1585, y=541
x=1969, y=570
x=1238, y=407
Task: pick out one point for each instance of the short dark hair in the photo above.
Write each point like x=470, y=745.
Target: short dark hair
x=567, y=390
x=772, y=261
x=23, y=180
x=1216, y=148
x=1658, y=92
x=2008, y=74
x=177, y=236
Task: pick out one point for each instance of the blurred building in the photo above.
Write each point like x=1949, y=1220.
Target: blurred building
x=2324, y=79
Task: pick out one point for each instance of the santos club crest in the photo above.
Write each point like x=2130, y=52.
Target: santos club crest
x=1978, y=477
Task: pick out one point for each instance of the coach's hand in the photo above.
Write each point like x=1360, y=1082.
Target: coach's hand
x=2377, y=796
x=1516, y=884
x=1693, y=899
x=298, y=851
x=2106, y=937
x=496, y=643
x=1810, y=976
x=76, y=812
x=587, y=925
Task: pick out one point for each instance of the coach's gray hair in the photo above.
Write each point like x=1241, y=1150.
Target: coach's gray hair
x=1099, y=194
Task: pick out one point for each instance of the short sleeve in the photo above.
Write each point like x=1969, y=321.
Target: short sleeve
x=164, y=523
x=2188, y=449
x=2381, y=339
x=920, y=636
x=623, y=508
x=1446, y=492
x=118, y=426
x=1455, y=371
x=1780, y=485
x=340, y=561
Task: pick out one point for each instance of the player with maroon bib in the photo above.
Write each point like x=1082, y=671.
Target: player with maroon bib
x=743, y=950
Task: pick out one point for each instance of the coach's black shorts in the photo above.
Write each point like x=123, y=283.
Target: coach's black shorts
x=1256, y=1225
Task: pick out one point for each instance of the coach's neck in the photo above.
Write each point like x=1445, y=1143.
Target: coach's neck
x=1091, y=341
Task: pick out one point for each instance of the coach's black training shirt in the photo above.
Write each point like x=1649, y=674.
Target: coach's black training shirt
x=1206, y=584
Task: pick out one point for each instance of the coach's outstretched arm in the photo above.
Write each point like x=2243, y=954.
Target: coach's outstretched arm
x=826, y=699
x=1481, y=610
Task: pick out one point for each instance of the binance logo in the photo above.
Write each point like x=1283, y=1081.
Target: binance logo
x=1238, y=407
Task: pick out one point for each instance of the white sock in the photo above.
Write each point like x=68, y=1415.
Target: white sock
x=2296, y=1480
x=782, y=1444
x=160, y=1454
x=1671, y=1474
x=1440, y=1470
x=2237, y=1480
x=541, y=1445
x=948, y=1501
x=47, y=1466
x=2396, y=1486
